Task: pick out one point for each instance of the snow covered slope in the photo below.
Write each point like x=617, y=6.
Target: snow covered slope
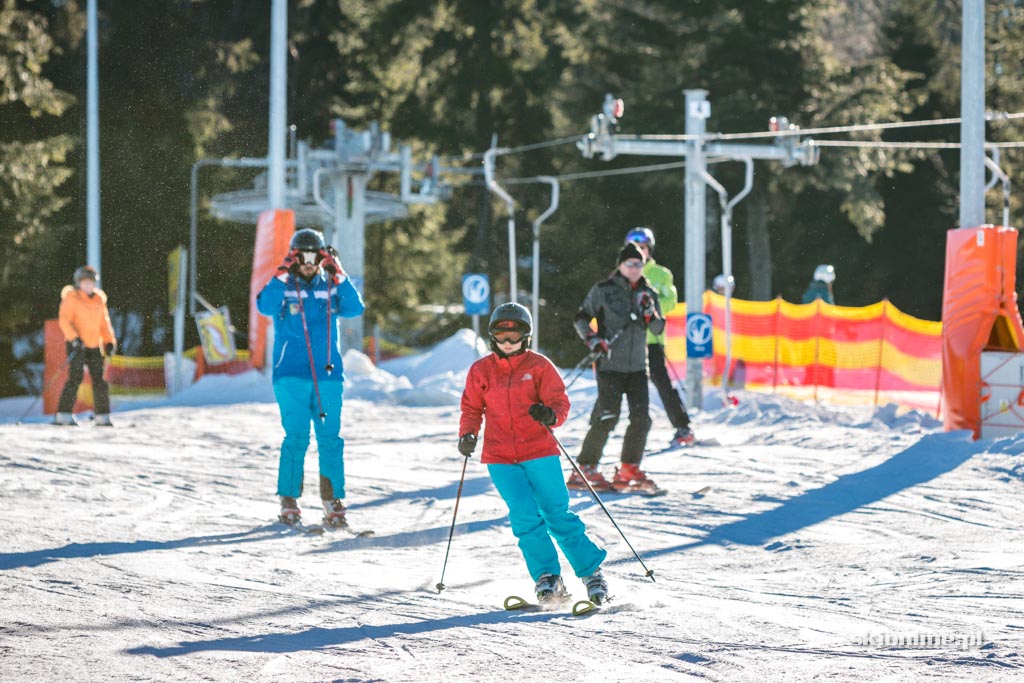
x=833, y=543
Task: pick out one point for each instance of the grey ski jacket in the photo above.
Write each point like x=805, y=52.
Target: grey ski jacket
x=616, y=306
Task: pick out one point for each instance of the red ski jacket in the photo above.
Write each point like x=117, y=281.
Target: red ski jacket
x=503, y=389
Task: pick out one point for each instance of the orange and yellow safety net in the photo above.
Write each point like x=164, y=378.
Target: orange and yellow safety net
x=868, y=354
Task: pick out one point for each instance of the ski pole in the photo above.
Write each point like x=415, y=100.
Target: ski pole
x=440, y=584
x=577, y=371
x=649, y=573
x=46, y=388
x=309, y=351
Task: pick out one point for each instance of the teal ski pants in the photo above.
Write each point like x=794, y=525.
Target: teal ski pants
x=538, y=509
x=296, y=398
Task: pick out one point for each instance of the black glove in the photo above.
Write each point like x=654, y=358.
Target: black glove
x=543, y=414
x=108, y=350
x=598, y=346
x=467, y=444
x=647, y=308
x=73, y=346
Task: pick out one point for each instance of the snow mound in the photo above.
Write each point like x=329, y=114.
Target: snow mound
x=248, y=387
x=453, y=355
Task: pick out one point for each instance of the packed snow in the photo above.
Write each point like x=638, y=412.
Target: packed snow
x=837, y=543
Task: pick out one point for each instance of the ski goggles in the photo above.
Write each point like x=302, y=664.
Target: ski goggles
x=633, y=263
x=310, y=258
x=507, y=337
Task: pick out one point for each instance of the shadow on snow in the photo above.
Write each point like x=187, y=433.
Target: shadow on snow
x=916, y=465
x=315, y=638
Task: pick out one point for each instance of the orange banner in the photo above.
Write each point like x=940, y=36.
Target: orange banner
x=273, y=233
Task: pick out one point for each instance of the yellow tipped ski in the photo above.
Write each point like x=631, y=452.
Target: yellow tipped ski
x=515, y=602
x=582, y=607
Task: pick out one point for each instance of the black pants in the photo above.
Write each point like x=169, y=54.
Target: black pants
x=100, y=392
x=677, y=414
x=610, y=388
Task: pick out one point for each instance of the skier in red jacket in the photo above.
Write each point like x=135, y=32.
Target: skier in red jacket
x=522, y=396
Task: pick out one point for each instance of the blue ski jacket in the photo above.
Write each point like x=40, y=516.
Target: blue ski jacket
x=280, y=300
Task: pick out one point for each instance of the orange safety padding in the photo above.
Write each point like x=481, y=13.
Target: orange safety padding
x=979, y=312
x=273, y=233
x=55, y=372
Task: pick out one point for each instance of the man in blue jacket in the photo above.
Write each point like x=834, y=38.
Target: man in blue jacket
x=306, y=300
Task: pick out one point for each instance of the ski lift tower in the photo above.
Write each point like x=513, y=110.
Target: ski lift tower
x=326, y=188
x=697, y=147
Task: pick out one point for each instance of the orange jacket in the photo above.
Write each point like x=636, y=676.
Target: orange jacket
x=85, y=317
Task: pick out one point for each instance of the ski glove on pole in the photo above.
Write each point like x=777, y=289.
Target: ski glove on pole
x=598, y=346
x=73, y=346
x=647, y=308
x=467, y=444
x=108, y=350
x=542, y=414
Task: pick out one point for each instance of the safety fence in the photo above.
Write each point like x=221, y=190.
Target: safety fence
x=865, y=355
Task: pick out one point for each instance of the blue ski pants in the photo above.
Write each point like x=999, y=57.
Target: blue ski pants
x=296, y=397
x=538, y=509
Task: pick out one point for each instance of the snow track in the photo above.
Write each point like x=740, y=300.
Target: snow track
x=833, y=543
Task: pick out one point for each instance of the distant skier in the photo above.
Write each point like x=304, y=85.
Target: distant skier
x=821, y=285
x=306, y=300
x=519, y=394
x=89, y=340
x=625, y=308
x=659, y=278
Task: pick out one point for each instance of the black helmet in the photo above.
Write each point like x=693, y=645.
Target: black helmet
x=307, y=239
x=513, y=317
x=642, y=236
x=85, y=273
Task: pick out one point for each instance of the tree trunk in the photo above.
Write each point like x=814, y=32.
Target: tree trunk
x=759, y=246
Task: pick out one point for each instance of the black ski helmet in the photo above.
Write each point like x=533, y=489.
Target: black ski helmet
x=642, y=236
x=85, y=273
x=307, y=239
x=514, y=317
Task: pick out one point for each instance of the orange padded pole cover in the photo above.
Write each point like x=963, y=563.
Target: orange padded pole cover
x=273, y=233
x=979, y=311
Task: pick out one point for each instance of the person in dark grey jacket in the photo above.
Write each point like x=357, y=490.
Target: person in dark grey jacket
x=625, y=308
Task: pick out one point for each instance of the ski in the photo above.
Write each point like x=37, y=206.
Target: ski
x=637, y=491
x=700, y=493
x=345, y=527
x=297, y=526
x=579, y=607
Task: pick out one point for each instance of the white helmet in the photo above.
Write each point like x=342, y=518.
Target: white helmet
x=825, y=273
x=720, y=283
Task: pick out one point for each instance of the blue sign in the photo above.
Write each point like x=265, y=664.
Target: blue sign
x=699, y=336
x=476, y=293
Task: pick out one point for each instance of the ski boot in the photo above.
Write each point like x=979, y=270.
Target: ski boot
x=65, y=420
x=334, y=513
x=551, y=589
x=596, y=479
x=290, y=512
x=102, y=420
x=684, y=437
x=630, y=477
x=597, y=587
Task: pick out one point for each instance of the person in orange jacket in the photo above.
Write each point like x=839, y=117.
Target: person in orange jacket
x=520, y=397
x=89, y=340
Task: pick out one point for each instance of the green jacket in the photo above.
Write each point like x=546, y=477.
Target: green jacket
x=659, y=278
